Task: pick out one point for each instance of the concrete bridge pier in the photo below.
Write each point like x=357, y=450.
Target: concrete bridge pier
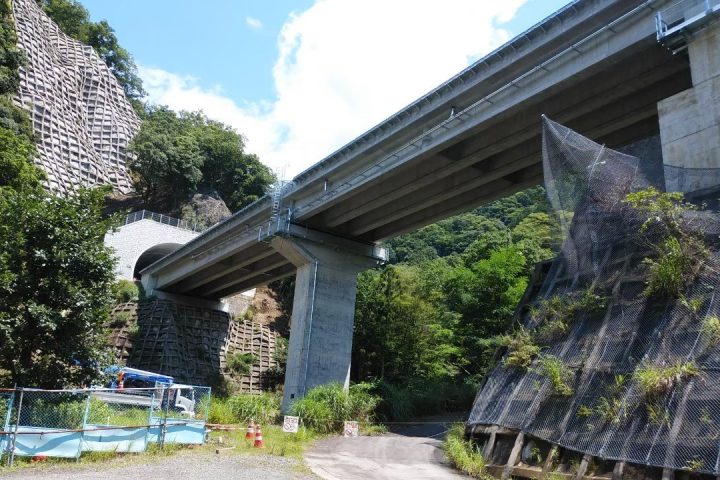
x=323, y=311
x=690, y=120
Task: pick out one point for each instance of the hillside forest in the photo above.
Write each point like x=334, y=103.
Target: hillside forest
x=435, y=315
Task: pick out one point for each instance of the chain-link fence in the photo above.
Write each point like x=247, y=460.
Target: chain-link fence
x=66, y=423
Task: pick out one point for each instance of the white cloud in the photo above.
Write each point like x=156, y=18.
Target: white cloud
x=253, y=23
x=344, y=66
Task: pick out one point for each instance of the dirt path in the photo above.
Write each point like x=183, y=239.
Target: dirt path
x=187, y=465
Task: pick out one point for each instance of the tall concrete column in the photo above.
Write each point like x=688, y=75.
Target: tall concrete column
x=690, y=120
x=323, y=312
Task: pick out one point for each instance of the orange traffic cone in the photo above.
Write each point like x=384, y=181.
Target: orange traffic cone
x=250, y=435
x=258, y=438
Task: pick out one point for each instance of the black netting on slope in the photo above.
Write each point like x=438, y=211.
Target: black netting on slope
x=603, y=253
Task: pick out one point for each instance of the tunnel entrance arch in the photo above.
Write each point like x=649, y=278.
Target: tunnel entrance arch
x=145, y=238
x=152, y=255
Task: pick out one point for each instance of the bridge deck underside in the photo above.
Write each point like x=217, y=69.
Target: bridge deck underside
x=614, y=104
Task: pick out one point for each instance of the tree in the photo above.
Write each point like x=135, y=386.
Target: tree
x=486, y=295
x=239, y=177
x=400, y=333
x=167, y=164
x=56, y=278
x=179, y=153
x=16, y=171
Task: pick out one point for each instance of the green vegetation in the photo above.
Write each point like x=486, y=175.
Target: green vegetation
x=521, y=349
x=325, y=408
x=463, y=454
x=611, y=407
x=555, y=370
x=674, y=268
x=423, y=397
x=654, y=380
x=711, y=330
x=262, y=408
x=126, y=291
x=240, y=364
x=554, y=316
x=277, y=442
x=177, y=154
x=56, y=279
x=677, y=253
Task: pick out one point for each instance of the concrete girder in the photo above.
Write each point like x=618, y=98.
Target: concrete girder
x=223, y=283
x=237, y=262
x=481, y=79
x=458, y=205
x=442, y=190
x=616, y=116
x=589, y=96
x=258, y=280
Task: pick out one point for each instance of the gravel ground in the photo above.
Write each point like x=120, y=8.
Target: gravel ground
x=187, y=465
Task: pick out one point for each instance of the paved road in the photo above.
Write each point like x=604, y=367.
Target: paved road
x=196, y=465
x=411, y=453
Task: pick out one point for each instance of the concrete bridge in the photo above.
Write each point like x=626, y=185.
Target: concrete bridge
x=595, y=66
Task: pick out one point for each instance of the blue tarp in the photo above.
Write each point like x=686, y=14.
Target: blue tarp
x=179, y=431
x=125, y=440
x=48, y=442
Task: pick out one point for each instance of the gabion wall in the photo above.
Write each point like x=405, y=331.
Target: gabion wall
x=78, y=108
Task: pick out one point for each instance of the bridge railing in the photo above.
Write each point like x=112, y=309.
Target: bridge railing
x=164, y=219
x=684, y=14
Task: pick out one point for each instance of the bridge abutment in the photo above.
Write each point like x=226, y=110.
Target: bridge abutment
x=690, y=120
x=323, y=313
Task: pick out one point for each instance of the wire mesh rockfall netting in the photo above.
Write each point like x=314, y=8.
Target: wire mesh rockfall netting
x=617, y=354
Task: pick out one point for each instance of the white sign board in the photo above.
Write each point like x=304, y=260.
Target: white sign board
x=290, y=424
x=351, y=429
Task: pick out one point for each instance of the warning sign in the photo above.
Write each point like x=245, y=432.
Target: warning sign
x=290, y=424
x=351, y=429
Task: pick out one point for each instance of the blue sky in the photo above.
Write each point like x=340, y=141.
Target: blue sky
x=300, y=78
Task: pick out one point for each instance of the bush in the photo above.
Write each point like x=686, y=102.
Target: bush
x=677, y=265
x=263, y=408
x=711, y=330
x=432, y=396
x=654, y=380
x=463, y=454
x=220, y=411
x=557, y=372
x=522, y=349
x=126, y=291
x=326, y=407
x=240, y=363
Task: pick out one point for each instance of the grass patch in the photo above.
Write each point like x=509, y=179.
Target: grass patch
x=326, y=408
x=655, y=381
x=677, y=264
x=463, y=454
x=557, y=372
x=711, y=330
x=276, y=442
x=521, y=349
